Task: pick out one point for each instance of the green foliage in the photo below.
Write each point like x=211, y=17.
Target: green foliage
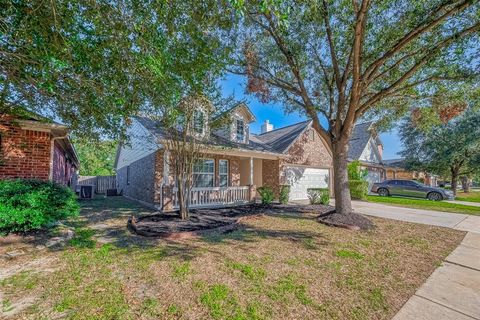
x=267, y=194
x=94, y=64
x=358, y=189
x=284, y=194
x=32, y=204
x=448, y=147
x=319, y=195
x=355, y=172
x=96, y=157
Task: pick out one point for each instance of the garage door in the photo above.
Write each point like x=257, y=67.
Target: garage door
x=302, y=178
x=372, y=177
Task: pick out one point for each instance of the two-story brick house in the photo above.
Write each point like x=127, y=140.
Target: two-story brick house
x=32, y=147
x=236, y=163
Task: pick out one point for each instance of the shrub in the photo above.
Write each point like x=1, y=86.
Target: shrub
x=266, y=193
x=284, y=194
x=358, y=189
x=355, y=172
x=32, y=204
x=318, y=195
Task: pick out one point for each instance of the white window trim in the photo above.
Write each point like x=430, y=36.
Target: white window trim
x=204, y=125
x=236, y=130
x=224, y=174
x=213, y=173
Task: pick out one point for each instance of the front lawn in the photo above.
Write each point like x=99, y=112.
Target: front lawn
x=426, y=204
x=275, y=267
x=473, y=196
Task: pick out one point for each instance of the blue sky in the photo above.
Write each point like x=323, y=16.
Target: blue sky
x=274, y=112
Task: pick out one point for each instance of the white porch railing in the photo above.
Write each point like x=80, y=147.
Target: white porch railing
x=215, y=196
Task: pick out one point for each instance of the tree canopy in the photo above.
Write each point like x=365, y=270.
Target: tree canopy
x=93, y=64
x=96, y=158
x=344, y=60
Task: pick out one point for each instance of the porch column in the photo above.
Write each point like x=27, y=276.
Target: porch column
x=251, y=187
x=251, y=171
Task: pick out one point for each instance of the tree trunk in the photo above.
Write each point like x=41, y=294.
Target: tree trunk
x=343, y=201
x=465, y=184
x=182, y=198
x=454, y=171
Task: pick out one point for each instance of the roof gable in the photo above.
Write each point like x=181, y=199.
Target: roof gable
x=282, y=138
x=361, y=135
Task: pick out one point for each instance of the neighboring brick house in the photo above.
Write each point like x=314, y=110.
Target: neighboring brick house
x=365, y=146
x=35, y=148
x=237, y=163
x=395, y=169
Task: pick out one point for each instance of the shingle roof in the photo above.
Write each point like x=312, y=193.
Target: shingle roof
x=397, y=163
x=275, y=141
x=280, y=139
x=359, y=140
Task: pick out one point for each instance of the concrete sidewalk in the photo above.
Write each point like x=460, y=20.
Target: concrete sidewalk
x=452, y=292
x=465, y=203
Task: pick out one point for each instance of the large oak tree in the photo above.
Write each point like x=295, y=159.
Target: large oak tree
x=344, y=60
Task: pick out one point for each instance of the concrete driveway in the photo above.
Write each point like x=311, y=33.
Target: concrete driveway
x=452, y=292
x=456, y=221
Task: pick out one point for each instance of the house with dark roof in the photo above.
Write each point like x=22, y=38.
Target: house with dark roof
x=365, y=146
x=236, y=163
x=397, y=169
x=32, y=147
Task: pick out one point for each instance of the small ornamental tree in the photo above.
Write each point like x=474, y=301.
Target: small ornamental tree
x=343, y=60
x=186, y=130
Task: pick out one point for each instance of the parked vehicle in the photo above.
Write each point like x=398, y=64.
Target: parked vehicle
x=409, y=188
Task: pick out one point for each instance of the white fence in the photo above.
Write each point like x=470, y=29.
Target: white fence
x=101, y=183
x=213, y=197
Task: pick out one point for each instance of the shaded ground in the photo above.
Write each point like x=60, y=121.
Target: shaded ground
x=285, y=266
x=220, y=220
x=426, y=204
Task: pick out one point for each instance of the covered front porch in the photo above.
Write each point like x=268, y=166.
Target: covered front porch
x=222, y=180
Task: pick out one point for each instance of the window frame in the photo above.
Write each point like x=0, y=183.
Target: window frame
x=237, y=133
x=128, y=175
x=199, y=114
x=195, y=173
x=226, y=174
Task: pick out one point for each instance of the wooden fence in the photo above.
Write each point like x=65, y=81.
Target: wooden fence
x=101, y=183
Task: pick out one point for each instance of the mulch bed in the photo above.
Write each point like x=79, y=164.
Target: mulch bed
x=218, y=220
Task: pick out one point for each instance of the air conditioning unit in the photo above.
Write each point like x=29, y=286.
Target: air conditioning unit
x=86, y=191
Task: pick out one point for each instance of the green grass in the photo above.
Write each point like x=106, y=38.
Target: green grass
x=473, y=196
x=426, y=204
x=276, y=267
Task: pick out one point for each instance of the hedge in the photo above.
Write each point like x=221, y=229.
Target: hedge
x=358, y=189
x=27, y=205
x=266, y=193
x=318, y=195
x=284, y=194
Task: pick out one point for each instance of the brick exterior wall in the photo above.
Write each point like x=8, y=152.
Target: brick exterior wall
x=139, y=182
x=23, y=153
x=308, y=150
x=63, y=168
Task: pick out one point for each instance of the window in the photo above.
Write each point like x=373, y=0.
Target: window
x=199, y=122
x=223, y=172
x=240, y=130
x=204, y=173
x=128, y=175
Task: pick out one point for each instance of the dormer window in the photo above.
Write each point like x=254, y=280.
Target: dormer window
x=240, y=130
x=199, y=122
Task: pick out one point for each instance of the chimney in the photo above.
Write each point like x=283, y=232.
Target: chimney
x=267, y=126
x=380, y=151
